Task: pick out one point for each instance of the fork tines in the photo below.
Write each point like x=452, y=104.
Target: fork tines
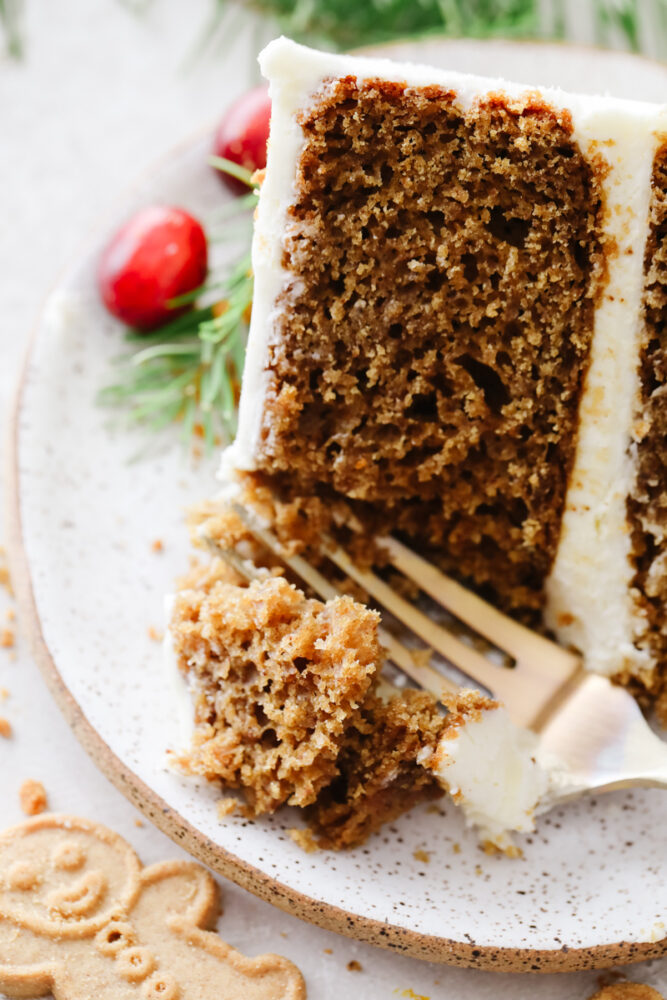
x=541, y=671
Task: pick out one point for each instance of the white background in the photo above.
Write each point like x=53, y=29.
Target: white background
x=100, y=94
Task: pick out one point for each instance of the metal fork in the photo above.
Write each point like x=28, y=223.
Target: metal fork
x=591, y=731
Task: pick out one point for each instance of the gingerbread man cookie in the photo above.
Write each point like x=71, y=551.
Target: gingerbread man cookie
x=81, y=918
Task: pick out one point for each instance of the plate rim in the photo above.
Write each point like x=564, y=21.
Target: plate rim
x=416, y=944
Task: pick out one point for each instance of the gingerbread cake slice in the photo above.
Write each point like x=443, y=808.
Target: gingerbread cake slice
x=457, y=335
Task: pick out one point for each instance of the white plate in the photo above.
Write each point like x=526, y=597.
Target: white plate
x=591, y=889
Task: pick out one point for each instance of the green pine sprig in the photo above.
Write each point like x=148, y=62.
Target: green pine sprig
x=190, y=369
x=345, y=24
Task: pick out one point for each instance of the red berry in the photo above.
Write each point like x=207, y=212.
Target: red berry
x=158, y=254
x=243, y=134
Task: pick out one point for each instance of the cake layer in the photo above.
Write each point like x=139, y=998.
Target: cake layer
x=446, y=326
x=420, y=350
x=647, y=503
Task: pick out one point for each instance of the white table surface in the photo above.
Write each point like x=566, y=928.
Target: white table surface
x=100, y=94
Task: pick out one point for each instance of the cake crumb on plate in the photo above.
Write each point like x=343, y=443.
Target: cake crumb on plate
x=227, y=807
x=304, y=839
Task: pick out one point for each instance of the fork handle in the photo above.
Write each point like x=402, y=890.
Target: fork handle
x=603, y=742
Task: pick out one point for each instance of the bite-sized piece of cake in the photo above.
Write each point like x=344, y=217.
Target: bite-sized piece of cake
x=279, y=679
x=457, y=335
x=288, y=709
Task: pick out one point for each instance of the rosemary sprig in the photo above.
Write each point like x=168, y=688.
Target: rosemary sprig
x=190, y=369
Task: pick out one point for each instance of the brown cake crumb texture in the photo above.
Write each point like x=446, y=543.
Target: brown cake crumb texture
x=647, y=505
x=426, y=366
x=287, y=707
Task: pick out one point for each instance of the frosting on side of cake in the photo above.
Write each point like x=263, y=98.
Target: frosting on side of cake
x=589, y=599
x=490, y=768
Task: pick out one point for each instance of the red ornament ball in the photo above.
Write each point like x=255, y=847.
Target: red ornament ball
x=243, y=134
x=160, y=253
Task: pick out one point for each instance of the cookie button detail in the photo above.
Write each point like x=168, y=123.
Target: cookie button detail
x=22, y=876
x=69, y=856
x=134, y=964
x=160, y=987
x=115, y=937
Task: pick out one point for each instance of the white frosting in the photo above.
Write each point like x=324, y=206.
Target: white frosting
x=589, y=603
x=491, y=769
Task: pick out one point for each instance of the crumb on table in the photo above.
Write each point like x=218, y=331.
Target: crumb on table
x=5, y=728
x=421, y=855
x=32, y=795
x=6, y=580
x=154, y=634
x=354, y=966
x=627, y=991
x=157, y=545
x=7, y=638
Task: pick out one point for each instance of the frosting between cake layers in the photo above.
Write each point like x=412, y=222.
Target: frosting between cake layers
x=589, y=601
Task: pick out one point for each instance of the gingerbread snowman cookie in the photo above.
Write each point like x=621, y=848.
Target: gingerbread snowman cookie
x=81, y=918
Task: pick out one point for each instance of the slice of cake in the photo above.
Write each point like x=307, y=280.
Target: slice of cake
x=457, y=336
x=289, y=709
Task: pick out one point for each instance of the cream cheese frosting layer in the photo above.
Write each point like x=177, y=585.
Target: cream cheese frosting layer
x=490, y=768
x=589, y=600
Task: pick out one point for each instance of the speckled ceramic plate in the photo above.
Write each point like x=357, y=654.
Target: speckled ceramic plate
x=591, y=889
